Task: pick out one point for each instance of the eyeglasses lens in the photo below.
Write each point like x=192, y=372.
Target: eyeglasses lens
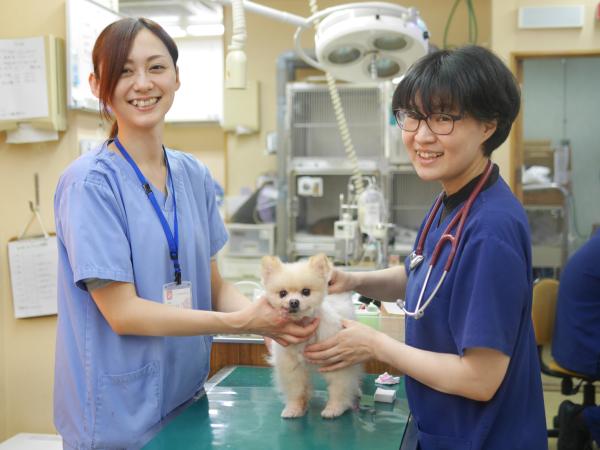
x=438, y=123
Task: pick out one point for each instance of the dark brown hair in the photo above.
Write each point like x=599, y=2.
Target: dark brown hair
x=110, y=54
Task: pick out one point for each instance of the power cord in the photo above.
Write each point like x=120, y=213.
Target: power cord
x=472, y=25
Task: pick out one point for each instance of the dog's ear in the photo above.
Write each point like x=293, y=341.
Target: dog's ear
x=269, y=265
x=320, y=263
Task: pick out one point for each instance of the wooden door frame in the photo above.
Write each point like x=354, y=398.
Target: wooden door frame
x=516, y=143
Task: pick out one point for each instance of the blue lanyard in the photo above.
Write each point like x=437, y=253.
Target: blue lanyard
x=172, y=240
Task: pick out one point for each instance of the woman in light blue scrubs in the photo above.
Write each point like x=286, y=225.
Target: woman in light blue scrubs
x=139, y=291
x=472, y=373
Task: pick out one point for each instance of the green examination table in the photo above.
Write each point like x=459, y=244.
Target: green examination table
x=241, y=411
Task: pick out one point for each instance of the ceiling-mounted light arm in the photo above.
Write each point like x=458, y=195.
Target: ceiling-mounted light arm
x=195, y=7
x=282, y=16
x=299, y=21
x=368, y=41
x=273, y=13
x=235, y=61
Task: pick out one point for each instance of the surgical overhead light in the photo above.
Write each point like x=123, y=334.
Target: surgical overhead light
x=357, y=42
x=366, y=41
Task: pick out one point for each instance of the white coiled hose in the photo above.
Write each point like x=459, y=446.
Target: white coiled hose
x=356, y=177
x=238, y=37
x=235, y=61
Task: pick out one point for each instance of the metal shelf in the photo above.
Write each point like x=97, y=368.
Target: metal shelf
x=550, y=217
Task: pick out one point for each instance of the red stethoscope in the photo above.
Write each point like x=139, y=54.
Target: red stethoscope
x=416, y=257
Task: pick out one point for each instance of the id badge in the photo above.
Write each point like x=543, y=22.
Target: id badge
x=179, y=295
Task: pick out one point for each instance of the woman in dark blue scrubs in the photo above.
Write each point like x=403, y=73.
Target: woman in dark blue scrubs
x=576, y=342
x=472, y=373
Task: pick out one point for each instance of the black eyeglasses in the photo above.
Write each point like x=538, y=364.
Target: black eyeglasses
x=438, y=123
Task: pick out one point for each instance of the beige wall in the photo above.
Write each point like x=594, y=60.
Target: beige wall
x=507, y=39
x=27, y=345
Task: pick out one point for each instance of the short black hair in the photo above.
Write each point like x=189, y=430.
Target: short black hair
x=470, y=79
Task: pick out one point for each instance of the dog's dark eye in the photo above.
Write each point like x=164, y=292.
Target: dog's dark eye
x=306, y=292
x=282, y=294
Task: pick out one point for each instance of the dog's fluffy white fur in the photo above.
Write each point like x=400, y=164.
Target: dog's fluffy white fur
x=300, y=290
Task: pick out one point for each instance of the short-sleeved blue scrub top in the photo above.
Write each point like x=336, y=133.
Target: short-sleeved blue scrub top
x=485, y=301
x=110, y=389
x=576, y=340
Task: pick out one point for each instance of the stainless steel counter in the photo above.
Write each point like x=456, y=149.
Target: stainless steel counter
x=238, y=339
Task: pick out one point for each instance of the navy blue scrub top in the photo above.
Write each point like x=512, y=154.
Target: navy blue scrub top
x=485, y=302
x=576, y=341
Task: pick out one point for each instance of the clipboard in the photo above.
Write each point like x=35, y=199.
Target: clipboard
x=33, y=265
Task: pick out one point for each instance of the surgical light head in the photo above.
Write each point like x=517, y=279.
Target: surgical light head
x=368, y=41
x=356, y=42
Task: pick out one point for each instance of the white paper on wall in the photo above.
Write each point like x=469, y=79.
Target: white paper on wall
x=33, y=269
x=23, y=85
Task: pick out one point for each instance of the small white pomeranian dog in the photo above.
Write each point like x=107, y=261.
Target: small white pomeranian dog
x=300, y=290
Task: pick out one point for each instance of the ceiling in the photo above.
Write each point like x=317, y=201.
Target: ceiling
x=176, y=14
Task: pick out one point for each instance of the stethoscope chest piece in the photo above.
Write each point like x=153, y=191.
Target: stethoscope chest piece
x=415, y=260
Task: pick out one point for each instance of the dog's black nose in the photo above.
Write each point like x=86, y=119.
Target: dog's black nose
x=294, y=304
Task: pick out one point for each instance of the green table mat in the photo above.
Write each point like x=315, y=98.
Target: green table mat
x=242, y=411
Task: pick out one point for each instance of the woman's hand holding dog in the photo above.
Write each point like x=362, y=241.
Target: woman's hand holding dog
x=261, y=318
x=341, y=281
x=352, y=345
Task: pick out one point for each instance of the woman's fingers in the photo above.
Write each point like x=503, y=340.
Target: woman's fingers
x=268, y=321
x=287, y=339
x=300, y=331
x=309, y=330
x=331, y=359
x=324, y=353
x=292, y=333
x=324, y=356
x=335, y=289
x=281, y=342
x=320, y=346
x=336, y=284
x=333, y=367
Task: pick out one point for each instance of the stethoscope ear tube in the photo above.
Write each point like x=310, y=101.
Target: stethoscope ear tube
x=416, y=257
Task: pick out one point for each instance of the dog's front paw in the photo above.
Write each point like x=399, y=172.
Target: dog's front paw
x=333, y=410
x=293, y=410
